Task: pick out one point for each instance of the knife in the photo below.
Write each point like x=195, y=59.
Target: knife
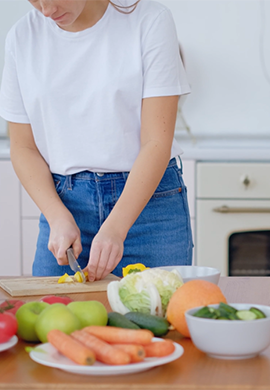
x=74, y=264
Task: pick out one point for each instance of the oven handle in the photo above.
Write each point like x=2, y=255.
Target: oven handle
x=226, y=209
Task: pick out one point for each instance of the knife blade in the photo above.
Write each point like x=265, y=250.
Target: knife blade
x=74, y=264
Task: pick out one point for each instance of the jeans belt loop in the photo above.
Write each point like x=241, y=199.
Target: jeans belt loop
x=179, y=162
x=69, y=182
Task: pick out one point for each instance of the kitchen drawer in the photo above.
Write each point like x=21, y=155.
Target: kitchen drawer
x=233, y=180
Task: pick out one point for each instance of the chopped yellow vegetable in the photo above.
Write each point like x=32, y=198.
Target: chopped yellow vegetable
x=65, y=279
x=138, y=267
x=78, y=277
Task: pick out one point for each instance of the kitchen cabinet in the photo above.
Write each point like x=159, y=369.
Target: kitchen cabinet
x=10, y=226
x=189, y=167
x=19, y=218
x=29, y=231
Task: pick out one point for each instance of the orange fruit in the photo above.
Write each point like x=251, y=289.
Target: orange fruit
x=191, y=294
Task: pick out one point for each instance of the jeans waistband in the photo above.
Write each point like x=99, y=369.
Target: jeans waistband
x=90, y=175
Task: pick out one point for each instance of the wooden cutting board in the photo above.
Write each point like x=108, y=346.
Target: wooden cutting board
x=18, y=287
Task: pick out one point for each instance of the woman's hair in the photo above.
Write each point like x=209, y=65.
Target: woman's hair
x=125, y=9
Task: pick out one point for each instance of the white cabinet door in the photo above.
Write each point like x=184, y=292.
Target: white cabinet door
x=30, y=219
x=189, y=179
x=29, y=239
x=10, y=243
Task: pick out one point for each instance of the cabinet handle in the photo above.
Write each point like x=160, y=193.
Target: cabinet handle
x=245, y=180
x=226, y=209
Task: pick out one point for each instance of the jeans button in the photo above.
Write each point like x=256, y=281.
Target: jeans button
x=100, y=174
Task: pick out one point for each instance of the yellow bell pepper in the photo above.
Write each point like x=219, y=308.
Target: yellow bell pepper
x=70, y=279
x=129, y=269
x=65, y=279
x=78, y=277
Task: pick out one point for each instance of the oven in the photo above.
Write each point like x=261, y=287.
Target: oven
x=233, y=217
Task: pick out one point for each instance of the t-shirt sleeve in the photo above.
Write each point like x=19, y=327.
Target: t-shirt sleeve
x=163, y=70
x=11, y=103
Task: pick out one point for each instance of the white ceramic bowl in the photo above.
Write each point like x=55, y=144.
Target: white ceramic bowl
x=227, y=339
x=190, y=272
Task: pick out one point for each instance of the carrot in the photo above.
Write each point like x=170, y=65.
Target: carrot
x=104, y=352
x=159, y=348
x=115, y=335
x=135, y=351
x=71, y=348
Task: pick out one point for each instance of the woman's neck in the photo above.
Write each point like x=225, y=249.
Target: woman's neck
x=91, y=14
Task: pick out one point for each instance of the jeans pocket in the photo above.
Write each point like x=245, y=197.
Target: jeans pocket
x=169, y=184
x=60, y=184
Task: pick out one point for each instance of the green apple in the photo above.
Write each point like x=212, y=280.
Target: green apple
x=27, y=316
x=56, y=316
x=89, y=312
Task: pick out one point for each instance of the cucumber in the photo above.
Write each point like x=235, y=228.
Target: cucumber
x=159, y=326
x=246, y=315
x=227, y=312
x=206, y=312
x=257, y=312
x=120, y=321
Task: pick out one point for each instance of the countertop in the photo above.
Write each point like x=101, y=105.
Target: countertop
x=206, y=148
x=194, y=370
x=221, y=148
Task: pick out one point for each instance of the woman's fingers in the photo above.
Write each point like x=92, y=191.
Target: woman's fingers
x=64, y=234
x=105, y=254
x=77, y=247
x=115, y=257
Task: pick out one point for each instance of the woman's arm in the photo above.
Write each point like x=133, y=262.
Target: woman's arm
x=34, y=174
x=157, y=131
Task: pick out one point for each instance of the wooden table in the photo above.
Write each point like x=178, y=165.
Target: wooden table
x=193, y=370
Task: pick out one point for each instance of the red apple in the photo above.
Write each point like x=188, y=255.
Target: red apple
x=11, y=305
x=56, y=299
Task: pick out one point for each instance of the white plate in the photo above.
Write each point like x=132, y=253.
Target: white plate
x=10, y=343
x=52, y=358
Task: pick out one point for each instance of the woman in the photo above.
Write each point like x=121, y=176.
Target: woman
x=90, y=90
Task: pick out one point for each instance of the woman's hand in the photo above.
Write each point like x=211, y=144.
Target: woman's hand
x=106, y=252
x=64, y=234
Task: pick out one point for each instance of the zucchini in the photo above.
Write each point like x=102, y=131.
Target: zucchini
x=159, y=326
x=120, y=321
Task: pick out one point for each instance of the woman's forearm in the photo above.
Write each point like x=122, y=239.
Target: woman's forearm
x=33, y=172
x=158, y=123
x=140, y=186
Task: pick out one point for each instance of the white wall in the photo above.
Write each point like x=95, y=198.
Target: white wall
x=223, y=42
x=10, y=12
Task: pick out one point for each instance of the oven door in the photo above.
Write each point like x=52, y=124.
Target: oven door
x=217, y=223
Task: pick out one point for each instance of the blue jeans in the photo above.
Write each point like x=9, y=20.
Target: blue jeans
x=160, y=236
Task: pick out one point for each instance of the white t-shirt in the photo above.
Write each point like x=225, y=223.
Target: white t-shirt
x=82, y=91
